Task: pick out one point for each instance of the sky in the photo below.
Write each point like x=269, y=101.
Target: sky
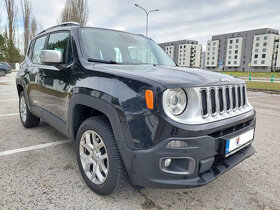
x=176, y=20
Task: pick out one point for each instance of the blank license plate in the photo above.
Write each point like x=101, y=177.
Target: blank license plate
x=238, y=142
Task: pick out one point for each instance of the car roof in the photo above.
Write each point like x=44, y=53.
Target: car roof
x=71, y=25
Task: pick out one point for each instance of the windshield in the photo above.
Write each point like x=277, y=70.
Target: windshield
x=120, y=47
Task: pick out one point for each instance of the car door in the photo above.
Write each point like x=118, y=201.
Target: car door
x=30, y=70
x=54, y=79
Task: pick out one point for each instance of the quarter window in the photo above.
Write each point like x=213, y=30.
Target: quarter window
x=38, y=47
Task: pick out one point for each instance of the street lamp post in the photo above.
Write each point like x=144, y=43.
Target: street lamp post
x=147, y=14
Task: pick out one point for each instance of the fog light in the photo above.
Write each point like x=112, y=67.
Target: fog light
x=177, y=144
x=167, y=162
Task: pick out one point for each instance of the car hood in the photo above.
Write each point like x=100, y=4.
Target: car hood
x=172, y=77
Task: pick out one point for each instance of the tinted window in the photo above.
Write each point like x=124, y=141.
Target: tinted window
x=38, y=47
x=59, y=42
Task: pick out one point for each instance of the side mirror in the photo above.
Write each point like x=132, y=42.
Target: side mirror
x=51, y=57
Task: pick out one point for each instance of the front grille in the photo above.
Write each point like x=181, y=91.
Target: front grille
x=218, y=100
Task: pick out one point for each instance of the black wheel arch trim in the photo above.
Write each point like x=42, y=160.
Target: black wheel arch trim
x=104, y=107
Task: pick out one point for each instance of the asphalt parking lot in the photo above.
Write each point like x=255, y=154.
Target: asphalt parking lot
x=38, y=169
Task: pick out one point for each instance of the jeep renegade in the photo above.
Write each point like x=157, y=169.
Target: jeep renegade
x=131, y=111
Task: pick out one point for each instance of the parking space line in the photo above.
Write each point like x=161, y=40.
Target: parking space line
x=35, y=147
x=6, y=115
x=11, y=99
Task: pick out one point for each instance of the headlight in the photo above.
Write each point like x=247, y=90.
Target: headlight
x=176, y=101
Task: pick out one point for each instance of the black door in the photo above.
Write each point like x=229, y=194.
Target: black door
x=31, y=70
x=54, y=79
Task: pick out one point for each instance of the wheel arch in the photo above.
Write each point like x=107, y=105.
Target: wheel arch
x=82, y=107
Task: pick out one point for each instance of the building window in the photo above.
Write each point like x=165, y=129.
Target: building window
x=258, y=38
x=265, y=44
x=255, y=61
x=213, y=53
x=230, y=41
x=236, y=46
x=214, y=48
x=265, y=38
x=180, y=47
x=256, y=50
x=236, y=51
x=256, y=56
x=208, y=43
x=229, y=57
x=229, y=62
x=237, y=41
x=208, y=48
x=263, y=62
x=208, y=58
x=230, y=47
x=184, y=46
x=212, y=62
x=235, y=57
x=229, y=52
x=257, y=44
x=263, y=55
x=235, y=62
x=213, y=58
x=214, y=43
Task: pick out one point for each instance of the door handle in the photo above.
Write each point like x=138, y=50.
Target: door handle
x=42, y=75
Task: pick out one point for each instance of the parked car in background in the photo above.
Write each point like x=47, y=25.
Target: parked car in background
x=131, y=111
x=5, y=68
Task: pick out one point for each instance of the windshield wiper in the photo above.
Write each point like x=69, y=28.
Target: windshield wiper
x=102, y=61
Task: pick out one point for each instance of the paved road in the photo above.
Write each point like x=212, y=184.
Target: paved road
x=48, y=177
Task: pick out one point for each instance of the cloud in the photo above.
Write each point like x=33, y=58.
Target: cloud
x=177, y=19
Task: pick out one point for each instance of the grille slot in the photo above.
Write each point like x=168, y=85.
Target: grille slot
x=239, y=96
x=244, y=95
x=213, y=101
x=221, y=100
x=233, y=98
x=204, y=103
x=227, y=99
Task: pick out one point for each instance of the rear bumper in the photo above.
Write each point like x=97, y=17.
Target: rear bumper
x=204, y=160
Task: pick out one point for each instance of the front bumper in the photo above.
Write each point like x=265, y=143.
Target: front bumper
x=207, y=151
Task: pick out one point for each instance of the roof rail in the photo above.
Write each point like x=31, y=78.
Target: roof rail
x=64, y=24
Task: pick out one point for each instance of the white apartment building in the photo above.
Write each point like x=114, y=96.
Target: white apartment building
x=170, y=51
x=266, y=51
x=234, y=52
x=185, y=53
x=212, y=53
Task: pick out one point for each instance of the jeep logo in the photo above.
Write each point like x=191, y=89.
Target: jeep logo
x=224, y=80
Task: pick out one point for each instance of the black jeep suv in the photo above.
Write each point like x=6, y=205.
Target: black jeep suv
x=131, y=111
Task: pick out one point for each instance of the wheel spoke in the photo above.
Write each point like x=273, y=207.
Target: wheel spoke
x=104, y=156
x=103, y=167
x=99, y=174
x=86, y=161
x=88, y=143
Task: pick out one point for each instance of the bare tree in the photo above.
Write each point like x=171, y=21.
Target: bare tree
x=33, y=28
x=74, y=10
x=11, y=13
x=26, y=15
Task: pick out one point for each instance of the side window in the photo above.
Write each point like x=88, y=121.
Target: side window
x=38, y=47
x=59, y=41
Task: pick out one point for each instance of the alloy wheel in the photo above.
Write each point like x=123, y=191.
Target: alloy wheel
x=94, y=157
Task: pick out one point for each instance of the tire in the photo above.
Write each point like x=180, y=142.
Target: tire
x=97, y=130
x=27, y=119
x=3, y=73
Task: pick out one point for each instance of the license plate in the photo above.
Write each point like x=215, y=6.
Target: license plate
x=238, y=142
